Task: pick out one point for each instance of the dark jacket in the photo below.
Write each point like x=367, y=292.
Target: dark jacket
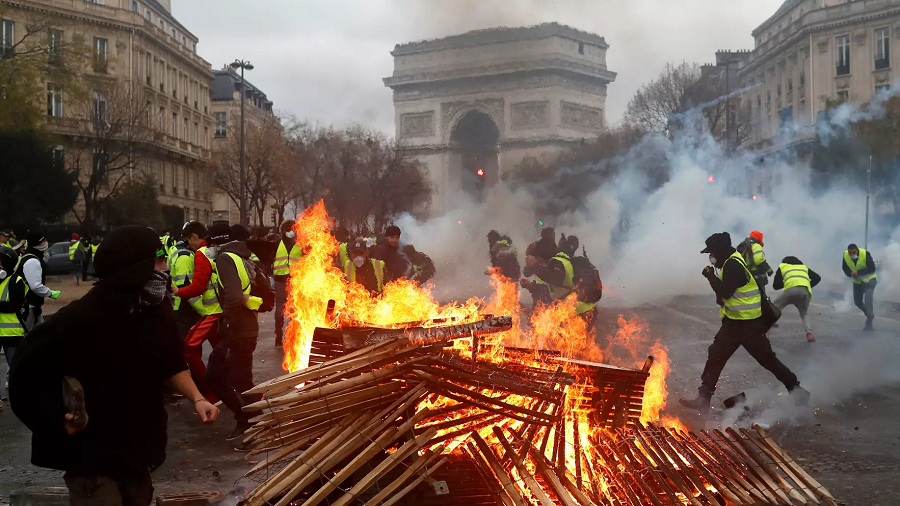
x=503, y=257
x=423, y=267
x=546, y=248
x=237, y=319
x=778, y=282
x=868, y=269
x=734, y=276
x=365, y=276
x=396, y=265
x=122, y=365
x=15, y=303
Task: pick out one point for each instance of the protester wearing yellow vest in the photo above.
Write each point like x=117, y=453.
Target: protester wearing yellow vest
x=287, y=254
x=742, y=324
x=181, y=268
x=231, y=362
x=797, y=280
x=368, y=272
x=78, y=256
x=859, y=265
x=203, y=284
x=12, y=304
x=4, y=239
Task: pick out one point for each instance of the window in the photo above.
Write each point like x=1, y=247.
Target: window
x=148, y=14
x=581, y=48
x=149, y=114
x=205, y=142
x=59, y=156
x=100, y=54
x=778, y=90
x=843, y=96
x=802, y=78
x=101, y=2
x=759, y=101
x=221, y=124
x=54, y=101
x=162, y=76
x=790, y=83
x=843, y=55
x=882, y=49
x=184, y=132
x=135, y=6
x=196, y=139
x=174, y=124
x=54, y=46
x=768, y=96
x=7, y=37
x=100, y=161
x=99, y=107
x=149, y=69
x=882, y=88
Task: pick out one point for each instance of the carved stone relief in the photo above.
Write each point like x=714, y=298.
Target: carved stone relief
x=860, y=38
x=823, y=45
x=417, y=124
x=580, y=116
x=842, y=83
x=494, y=107
x=882, y=76
x=530, y=115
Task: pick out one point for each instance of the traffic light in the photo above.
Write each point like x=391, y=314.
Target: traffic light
x=540, y=223
x=479, y=172
x=711, y=179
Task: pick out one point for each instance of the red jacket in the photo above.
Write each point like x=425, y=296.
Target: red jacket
x=202, y=273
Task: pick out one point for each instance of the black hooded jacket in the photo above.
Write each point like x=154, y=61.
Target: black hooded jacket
x=396, y=265
x=122, y=363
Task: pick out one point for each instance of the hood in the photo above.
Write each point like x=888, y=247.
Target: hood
x=791, y=261
x=239, y=248
x=125, y=260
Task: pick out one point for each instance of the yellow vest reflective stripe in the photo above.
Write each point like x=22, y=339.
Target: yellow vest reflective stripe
x=343, y=256
x=758, y=255
x=858, y=265
x=209, y=300
x=284, y=260
x=795, y=275
x=746, y=302
x=10, y=326
x=584, y=307
x=378, y=265
x=560, y=292
x=254, y=302
x=73, y=247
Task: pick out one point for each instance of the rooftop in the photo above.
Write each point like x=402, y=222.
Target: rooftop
x=500, y=34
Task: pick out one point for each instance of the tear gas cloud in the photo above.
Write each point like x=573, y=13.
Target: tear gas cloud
x=646, y=243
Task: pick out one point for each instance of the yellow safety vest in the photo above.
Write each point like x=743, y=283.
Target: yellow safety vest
x=209, y=300
x=343, y=256
x=283, y=260
x=181, y=267
x=757, y=254
x=560, y=292
x=746, y=302
x=253, y=302
x=859, y=264
x=72, y=249
x=94, y=249
x=795, y=275
x=10, y=326
x=378, y=265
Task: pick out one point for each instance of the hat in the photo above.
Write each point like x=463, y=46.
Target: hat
x=74, y=236
x=34, y=238
x=757, y=236
x=219, y=233
x=357, y=246
x=127, y=256
x=717, y=242
x=239, y=233
x=392, y=231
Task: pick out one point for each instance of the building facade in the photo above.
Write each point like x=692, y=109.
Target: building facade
x=814, y=52
x=136, y=45
x=472, y=107
x=226, y=111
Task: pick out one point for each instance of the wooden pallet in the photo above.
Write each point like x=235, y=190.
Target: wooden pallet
x=614, y=395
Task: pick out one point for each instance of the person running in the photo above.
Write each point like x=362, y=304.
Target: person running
x=797, y=281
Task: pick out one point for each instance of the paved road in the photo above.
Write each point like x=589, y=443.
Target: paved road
x=847, y=438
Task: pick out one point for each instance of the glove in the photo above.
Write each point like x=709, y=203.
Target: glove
x=708, y=271
x=54, y=294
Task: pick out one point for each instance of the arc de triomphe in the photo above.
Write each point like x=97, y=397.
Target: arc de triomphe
x=476, y=105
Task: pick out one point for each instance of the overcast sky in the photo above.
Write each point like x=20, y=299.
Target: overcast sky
x=324, y=60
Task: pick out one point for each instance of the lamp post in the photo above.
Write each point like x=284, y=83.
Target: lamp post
x=242, y=193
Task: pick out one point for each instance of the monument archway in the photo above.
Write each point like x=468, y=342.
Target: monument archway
x=475, y=153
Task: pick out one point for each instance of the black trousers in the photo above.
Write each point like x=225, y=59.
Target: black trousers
x=185, y=318
x=751, y=335
x=863, y=297
x=85, y=267
x=98, y=490
x=230, y=372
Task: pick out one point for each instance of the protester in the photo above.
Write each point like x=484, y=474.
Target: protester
x=387, y=250
x=87, y=266
x=122, y=366
x=286, y=255
x=797, y=280
x=368, y=272
x=32, y=267
x=231, y=362
x=181, y=268
x=422, y=265
x=503, y=256
x=540, y=291
x=12, y=305
x=76, y=256
x=859, y=265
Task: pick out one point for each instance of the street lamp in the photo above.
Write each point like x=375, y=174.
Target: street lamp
x=243, y=65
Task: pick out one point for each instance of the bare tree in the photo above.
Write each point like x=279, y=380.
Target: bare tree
x=114, y=132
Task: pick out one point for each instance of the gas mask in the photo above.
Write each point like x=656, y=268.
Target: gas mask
x=3, y=274
x=211, y=252
x=712, y=260
x=359, y=261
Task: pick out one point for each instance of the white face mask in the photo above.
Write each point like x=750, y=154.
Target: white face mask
x=211, y=252
x=712, y=260
x=359, y=261
x=42, y=247
x=290, y=235
x=854, y=257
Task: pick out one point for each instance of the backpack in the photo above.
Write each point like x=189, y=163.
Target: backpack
x=586, y=279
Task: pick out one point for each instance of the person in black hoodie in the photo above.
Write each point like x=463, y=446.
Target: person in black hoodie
x=742, y=323
x=230, y=369
x=122, y=366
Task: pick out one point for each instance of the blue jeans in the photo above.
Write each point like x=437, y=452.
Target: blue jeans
x=9, y=348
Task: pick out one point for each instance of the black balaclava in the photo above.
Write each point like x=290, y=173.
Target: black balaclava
x=125, y=260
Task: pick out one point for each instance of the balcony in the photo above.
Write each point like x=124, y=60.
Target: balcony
x=101, y=66
x=843, y=70
x=882, y=63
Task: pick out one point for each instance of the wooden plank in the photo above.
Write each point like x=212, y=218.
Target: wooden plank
x=817, y=488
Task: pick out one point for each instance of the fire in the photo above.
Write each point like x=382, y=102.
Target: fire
x=315, y=280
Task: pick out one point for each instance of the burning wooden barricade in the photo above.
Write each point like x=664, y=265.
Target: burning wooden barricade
x=435, y=414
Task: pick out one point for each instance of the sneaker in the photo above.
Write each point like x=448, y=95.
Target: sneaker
x=700, y=404
x=243, y=447
x=801, y=396
x=810, y=338
x=239, y=430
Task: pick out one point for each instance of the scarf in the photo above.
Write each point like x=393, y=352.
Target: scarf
x=156, y=289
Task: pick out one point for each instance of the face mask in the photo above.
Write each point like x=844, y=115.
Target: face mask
x=290, y=235
x=211, y=252
x=156, y=289
x=46, y=256
x=712, y=260
x=854, y=257
x=42, y=247
x=359, y=261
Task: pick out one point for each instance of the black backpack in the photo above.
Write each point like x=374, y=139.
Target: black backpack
x=587, y=280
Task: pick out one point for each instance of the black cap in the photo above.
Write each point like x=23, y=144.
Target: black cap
x=717, y=242
x=392, y=231
x=35, y=237
x=357, y=246
x=219, y=233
